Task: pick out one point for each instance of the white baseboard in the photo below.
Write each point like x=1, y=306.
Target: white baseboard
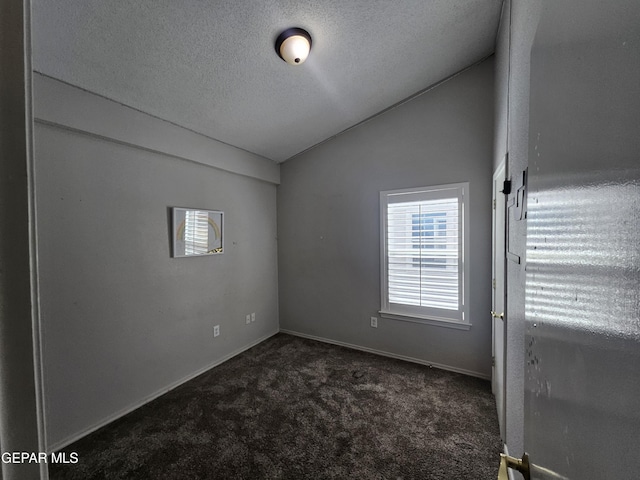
x=77, y=436
x=389, y=354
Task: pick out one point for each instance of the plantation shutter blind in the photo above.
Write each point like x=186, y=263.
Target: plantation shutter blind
x=196, y=232
x=423, y=252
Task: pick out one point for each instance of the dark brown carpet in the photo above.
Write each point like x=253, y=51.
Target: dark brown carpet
x=292, y=408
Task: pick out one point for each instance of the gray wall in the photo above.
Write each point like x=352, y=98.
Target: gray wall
x=122, y=321
x=515, y=37
x=329, y=229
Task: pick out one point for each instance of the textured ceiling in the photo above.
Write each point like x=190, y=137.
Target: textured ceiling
x=210, y=66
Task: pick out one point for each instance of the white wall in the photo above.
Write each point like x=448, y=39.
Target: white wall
x=122, y=321
x=329, y=229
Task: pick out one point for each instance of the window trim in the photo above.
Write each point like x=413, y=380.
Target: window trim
x=430, y=316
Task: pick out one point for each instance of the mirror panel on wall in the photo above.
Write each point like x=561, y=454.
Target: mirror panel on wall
x=197, y=232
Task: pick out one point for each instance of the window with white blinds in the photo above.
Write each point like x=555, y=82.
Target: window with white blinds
x=423, y=257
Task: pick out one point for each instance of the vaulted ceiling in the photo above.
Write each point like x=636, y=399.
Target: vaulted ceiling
x=211, y=66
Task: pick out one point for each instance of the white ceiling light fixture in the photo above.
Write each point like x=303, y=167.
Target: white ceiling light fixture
x=293, y=45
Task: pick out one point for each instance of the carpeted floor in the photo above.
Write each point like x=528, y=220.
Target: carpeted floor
x=292, y=408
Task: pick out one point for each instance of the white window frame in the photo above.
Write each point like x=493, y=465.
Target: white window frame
x=459, y=317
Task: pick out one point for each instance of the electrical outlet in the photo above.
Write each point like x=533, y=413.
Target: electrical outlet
x=253, y=317
x=216, y=330
x=374, y=322
x=248, y=319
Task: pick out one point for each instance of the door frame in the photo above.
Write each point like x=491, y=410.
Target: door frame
x=499, y=175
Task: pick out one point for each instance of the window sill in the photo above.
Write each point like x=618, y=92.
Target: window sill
x=440, y=322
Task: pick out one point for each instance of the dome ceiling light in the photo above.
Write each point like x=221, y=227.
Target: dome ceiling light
x=293, y=45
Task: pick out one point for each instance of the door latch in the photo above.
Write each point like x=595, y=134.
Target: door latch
x=497, y=315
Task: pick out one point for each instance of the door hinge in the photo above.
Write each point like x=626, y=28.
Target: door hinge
x=494, y=203
x=493, y=361
x=493, y=283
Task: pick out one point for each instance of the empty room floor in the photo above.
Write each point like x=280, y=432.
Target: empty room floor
x=292, y=408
